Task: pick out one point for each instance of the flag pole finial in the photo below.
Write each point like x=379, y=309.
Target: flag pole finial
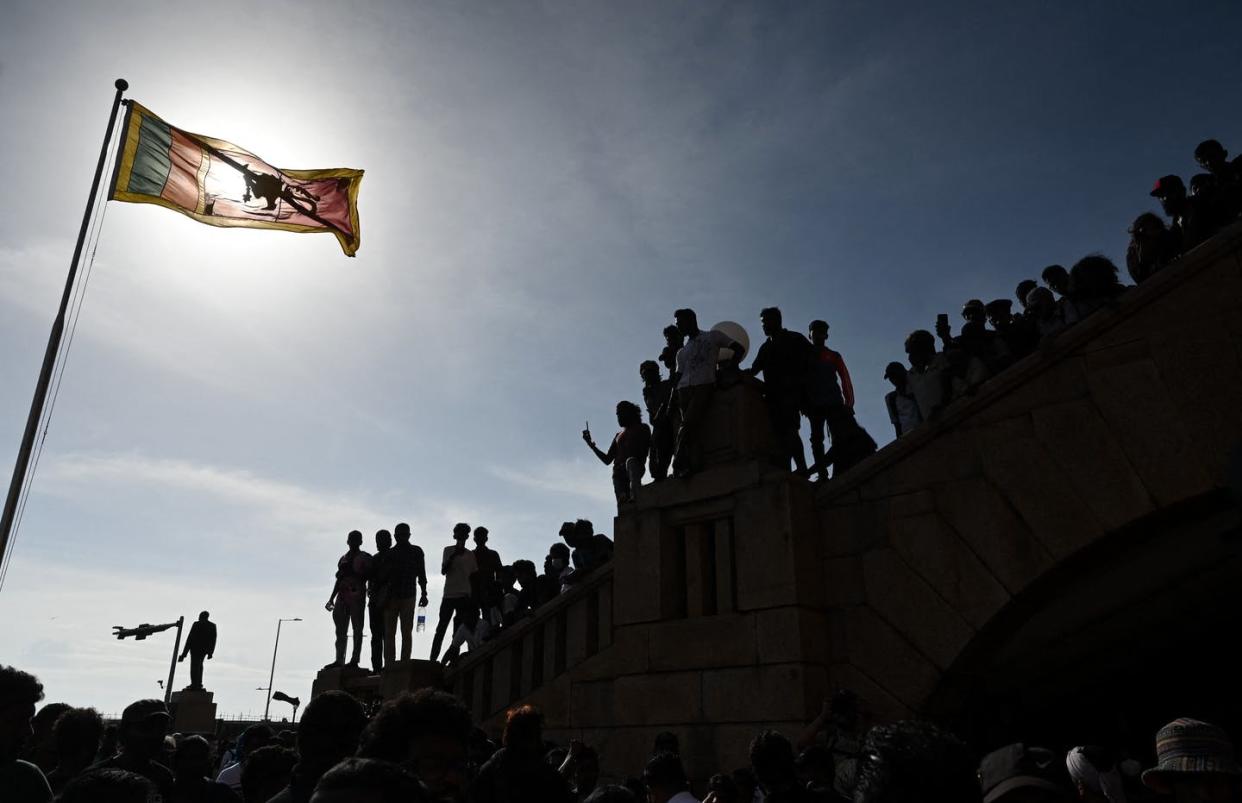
x=122, y=84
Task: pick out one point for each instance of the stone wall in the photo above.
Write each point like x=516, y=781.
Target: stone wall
x=1132, y=411
x=738, y=598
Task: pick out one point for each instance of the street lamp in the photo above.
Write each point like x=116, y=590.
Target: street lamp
x=268, y=705
x=142, y=631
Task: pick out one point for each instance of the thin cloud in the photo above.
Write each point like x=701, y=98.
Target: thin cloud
x=569, y=477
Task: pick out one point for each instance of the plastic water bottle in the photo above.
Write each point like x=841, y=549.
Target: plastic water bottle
x=421, y=622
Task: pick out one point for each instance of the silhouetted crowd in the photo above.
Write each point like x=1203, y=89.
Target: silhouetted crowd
x=802, y=377
x=421, y=746
x=482, y=595
x=993, y=336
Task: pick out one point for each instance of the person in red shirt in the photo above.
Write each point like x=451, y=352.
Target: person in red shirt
x=829, y=395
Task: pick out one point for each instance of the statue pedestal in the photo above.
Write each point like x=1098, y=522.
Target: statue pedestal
x=411, y=675
x=352, y=679
x=193, y=711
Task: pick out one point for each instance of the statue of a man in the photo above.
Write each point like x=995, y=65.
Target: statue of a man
x=200, y=644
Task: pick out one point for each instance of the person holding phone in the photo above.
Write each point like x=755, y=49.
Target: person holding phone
x=627, y=454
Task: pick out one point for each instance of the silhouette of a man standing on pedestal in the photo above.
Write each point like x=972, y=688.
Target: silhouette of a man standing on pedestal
x=200, y=644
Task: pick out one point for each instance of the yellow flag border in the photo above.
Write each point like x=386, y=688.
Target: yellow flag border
x=125, y=166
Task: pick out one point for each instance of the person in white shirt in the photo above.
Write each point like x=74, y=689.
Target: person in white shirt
x=665, y=779
x=696, y=382
x=457, y=566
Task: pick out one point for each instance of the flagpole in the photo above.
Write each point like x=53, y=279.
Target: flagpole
x=53, y=343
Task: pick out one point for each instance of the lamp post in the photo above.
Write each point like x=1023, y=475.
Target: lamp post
x=268, y=705
x=143, y=630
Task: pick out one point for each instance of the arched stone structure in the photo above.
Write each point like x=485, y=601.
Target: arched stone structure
x=987, y=551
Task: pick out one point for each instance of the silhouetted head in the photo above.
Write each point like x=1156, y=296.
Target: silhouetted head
x=687, y=322
x=1203, y=185
x=192, y=759
x=584, y=531
x=523, y=732
x=266, y=772
x=819, y=332
x=383, y=540
x=628, y=414
x=772, y=759
x=920, y=348
x=558, y=555
x=19, y=692
x=666, y=742
x=76, y=736
x=143, y=726
x=1147, y=225
x=1056, y=277
x=427, y=732
x=1094, y=276
x=1000, y=313
x=910, y=761
x=330, y=728
x=354, y=539
x=461, y=532
x=1024, y=288
x=664, y=776
x=649, y=372
x=1171, y=193
x=524, y=571
x=401, y=533
x=673, y=338
x=366, y=780
x=770, y=318
x=974, y=311
x=566, y=532
x=480, y=536
x=1212, y=156
x=109, y=786
x=1040, y=303
x=896, y=373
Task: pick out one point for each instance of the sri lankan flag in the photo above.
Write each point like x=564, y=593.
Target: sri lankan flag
x=220, y=184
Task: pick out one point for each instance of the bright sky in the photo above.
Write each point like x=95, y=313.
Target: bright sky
x=546, y=183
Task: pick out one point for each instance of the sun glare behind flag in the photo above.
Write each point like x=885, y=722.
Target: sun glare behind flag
x=217, y=183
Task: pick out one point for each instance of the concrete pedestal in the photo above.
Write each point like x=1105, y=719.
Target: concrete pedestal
x=402, y=676
x=193, y=711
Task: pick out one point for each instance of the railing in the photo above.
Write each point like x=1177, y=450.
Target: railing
x=561, y=634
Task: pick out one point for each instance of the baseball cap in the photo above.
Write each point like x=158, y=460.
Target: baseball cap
x=1017, y=766
x=1166, y=184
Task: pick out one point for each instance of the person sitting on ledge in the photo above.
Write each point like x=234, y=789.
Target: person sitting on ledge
x=528, y=598
x=1152, y=247
x=1187, y=217
x=1094, y=284
x=903, y=408
x=696, y=382
x=627, y=454
x=1024, y=289
x=1015, y=331
x=1213, y=158
x=1043, y=312
x=556, y=565
x=929, y=378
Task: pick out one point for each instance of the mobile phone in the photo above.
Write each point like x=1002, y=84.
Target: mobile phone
x=942, y=319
